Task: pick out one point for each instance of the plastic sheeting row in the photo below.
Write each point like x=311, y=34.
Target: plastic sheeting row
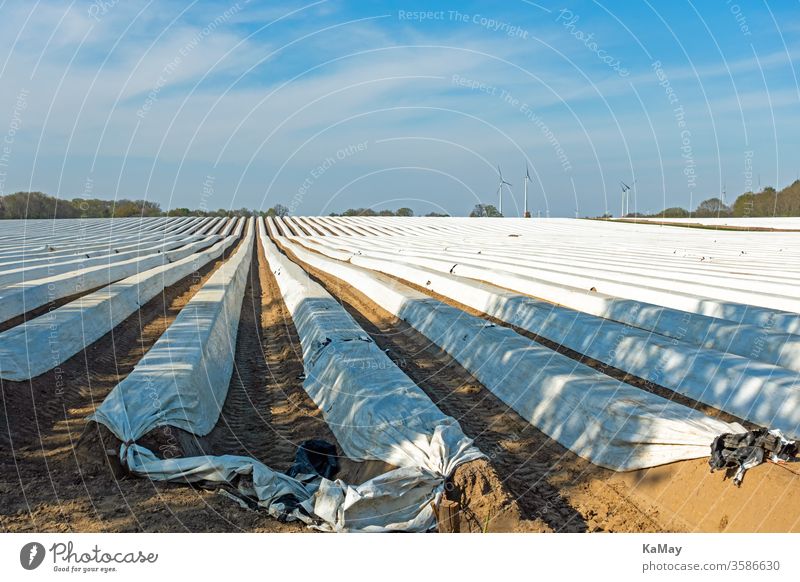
x=92, y=237
x=22, y=297
x=55, y=266
x=388, y=418
x=40, y=344
x=759, y=392
x=763, y=296
x=610, y=423
x=747, y=340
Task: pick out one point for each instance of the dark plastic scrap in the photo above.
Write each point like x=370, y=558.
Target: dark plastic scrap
x=317, y=458
x=744, y=451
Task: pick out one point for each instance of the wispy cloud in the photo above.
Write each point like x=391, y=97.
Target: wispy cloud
x=146, y=96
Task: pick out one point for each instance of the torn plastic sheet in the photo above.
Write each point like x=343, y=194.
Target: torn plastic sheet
x=399, y=500
x=275, y=492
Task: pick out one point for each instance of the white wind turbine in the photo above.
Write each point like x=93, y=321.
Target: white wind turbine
x=526, y=213
x=500, y=189
x=626, y=198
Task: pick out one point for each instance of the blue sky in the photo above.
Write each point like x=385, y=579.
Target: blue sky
x=327, y=105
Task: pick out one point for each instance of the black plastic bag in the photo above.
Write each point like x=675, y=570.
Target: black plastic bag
x=315, y=457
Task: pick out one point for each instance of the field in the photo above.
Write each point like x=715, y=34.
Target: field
x=556, y=375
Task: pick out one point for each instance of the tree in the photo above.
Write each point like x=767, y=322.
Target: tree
x=712, y=207
x=789, y=200
x=484, y=210
x=673, y=212
x=280, y=210
x=750, y=204
x=405, y=212
x=150, y=208
x=744, y=205
x=277, y=210
x=29, y=205
x=359, y=212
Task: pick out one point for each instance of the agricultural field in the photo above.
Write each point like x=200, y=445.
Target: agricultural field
x=394, y=374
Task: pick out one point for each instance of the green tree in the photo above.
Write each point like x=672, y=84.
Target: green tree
x=359, y=212
x=33, y=205
x=484, y=210
x=744, y=204
x=712, y=207
x=674, y=212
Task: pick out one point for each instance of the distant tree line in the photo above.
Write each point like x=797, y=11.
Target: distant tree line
x=41, y=205
x=768, y=202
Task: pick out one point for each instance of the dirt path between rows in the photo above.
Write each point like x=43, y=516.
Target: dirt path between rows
x=46, y=308
x=267, y=414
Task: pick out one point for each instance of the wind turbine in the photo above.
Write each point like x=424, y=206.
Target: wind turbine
x=626, y=198
x=500, y=189
x=526, y=214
